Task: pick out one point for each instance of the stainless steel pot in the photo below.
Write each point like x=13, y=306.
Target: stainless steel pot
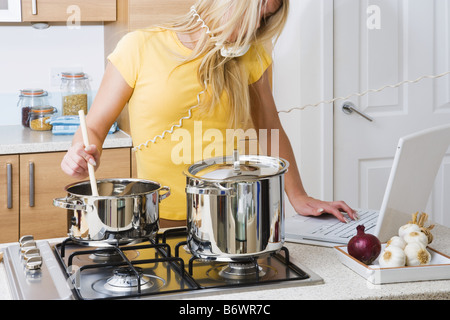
x=235, y=210
x=126, y=211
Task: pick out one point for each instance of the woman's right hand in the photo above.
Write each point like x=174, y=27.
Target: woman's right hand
x=112, y=96
x=75, y=162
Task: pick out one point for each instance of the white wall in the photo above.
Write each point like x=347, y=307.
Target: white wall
x=303, y=74
x=27, y=57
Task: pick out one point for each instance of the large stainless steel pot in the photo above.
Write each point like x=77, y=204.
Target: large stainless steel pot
x=126, y=211
x=235, y=210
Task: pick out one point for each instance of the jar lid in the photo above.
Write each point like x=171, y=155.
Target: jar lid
x=250, y=167
x=43, y=110
x=33, y=93
x=73, y=75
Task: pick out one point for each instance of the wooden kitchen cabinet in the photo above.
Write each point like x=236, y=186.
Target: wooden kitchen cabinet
x=64, y=10
x=9, y=198
x=41, y=180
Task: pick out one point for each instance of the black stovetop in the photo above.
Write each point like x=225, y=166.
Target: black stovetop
x=167, y=269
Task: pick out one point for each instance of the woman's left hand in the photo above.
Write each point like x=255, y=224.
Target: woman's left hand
x=307, y=206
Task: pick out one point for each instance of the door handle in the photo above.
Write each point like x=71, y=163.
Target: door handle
x=9, y=185
x=31, y=190
x=349, y=108
x=34, y=7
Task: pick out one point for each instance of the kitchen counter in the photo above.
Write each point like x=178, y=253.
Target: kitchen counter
x=19, y=140
x=340, y=282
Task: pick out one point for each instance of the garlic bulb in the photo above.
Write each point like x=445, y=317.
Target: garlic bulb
x=397, y=242
x=414, y=236
x=408, y=228
x=417, y=224
x=392, y=257
x=416, y=254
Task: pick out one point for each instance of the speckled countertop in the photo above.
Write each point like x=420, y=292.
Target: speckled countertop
x=18, y=140
x=342, y=283
x=339, y=282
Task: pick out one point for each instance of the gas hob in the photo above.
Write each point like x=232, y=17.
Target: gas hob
x=162, y=268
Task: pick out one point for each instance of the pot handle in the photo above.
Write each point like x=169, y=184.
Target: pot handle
x=63, y=203
x=164, y=195
x=216, y=190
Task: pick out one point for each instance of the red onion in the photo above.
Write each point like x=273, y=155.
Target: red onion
x=364, y=247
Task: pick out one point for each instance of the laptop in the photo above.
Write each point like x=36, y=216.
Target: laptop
x=416, y=163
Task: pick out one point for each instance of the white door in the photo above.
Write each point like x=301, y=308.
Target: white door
x=380, y=43
x=302, y=75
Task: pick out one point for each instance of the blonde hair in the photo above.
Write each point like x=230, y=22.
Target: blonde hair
x=223, y=75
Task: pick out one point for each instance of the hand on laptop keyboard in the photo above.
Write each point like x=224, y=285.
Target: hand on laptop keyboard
x=368, y=218
x=307, y=206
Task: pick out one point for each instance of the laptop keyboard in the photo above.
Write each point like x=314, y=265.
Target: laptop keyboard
x=368, y=218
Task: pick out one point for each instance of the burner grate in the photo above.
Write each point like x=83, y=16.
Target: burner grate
x=162, y=252
x=164, y=273
x=207, y=273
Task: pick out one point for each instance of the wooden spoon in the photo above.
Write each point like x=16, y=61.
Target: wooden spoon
x=86, y=144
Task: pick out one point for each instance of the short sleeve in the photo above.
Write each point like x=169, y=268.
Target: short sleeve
x=257, y=61
x=126, y=57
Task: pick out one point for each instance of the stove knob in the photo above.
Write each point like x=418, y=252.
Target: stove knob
x=34, y=263
x=35, y=252
x=25, y=239
x=27, y=246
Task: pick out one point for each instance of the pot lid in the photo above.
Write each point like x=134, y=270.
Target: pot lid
x=249, y=167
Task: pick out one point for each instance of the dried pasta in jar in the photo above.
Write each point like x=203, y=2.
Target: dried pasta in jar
x=40, y=118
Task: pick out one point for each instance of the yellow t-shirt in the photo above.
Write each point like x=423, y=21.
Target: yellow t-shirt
x=164, y=92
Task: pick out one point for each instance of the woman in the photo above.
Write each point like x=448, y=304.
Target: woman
x=207, y=70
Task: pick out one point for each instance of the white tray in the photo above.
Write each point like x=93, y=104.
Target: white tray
x=438, y=269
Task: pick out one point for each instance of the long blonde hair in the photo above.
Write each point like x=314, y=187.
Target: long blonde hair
x=224, y=75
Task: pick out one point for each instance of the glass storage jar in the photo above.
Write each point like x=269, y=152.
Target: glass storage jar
x=40, y=117
x=74, y=91
x=31, y=98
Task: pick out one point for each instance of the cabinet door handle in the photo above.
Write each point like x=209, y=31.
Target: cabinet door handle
x=9, y=185
x=31, y=192
x=34, y=7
